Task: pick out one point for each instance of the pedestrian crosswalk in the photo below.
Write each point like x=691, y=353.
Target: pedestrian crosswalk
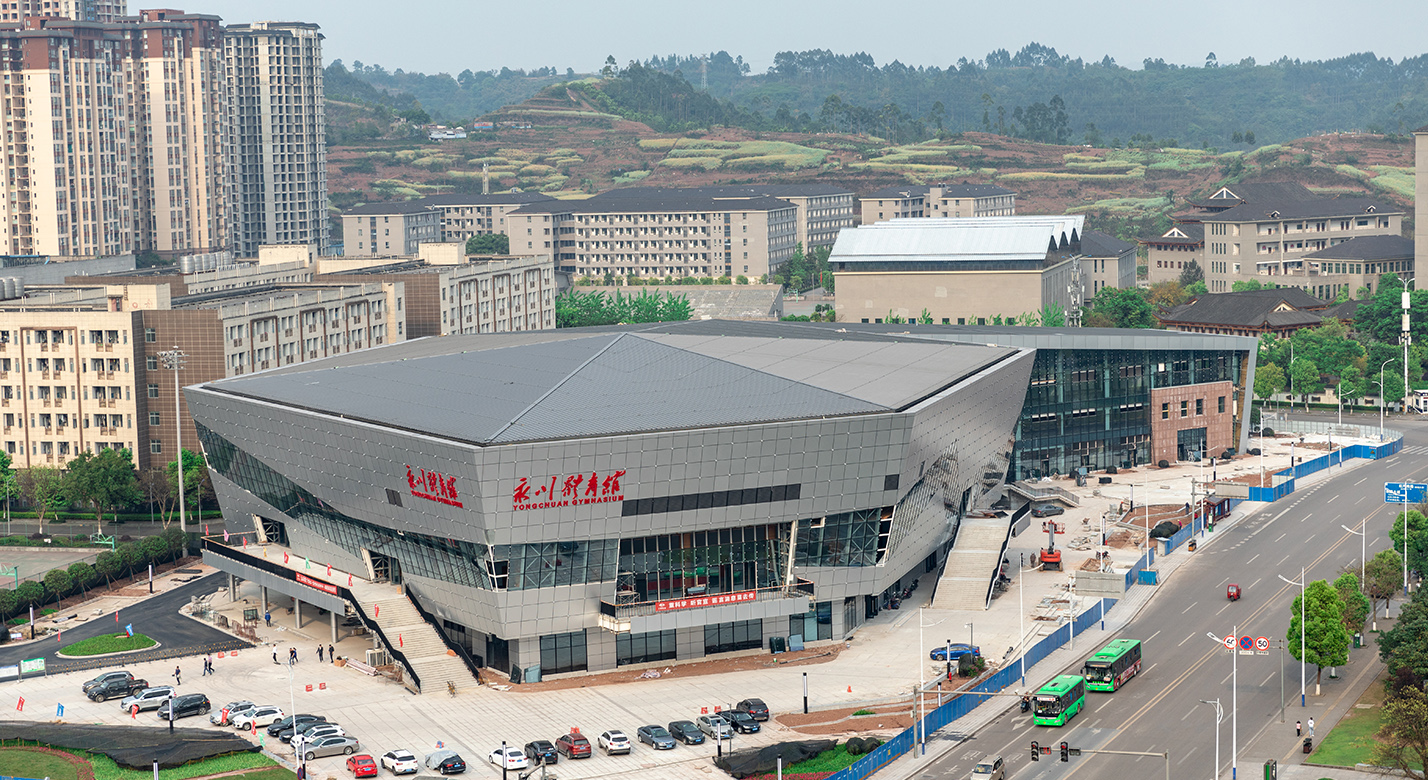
x=1414, y=450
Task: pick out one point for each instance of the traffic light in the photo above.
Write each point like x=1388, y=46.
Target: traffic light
x=1035, y=752
x=1065, y=752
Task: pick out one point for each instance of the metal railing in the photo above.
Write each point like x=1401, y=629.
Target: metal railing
x=1035, y=490
x=456, y=647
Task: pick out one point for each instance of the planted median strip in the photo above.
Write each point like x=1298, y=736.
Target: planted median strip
x=108, y=643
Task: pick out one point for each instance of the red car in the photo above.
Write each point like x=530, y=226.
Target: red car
x=573, y=745
x=362, y=765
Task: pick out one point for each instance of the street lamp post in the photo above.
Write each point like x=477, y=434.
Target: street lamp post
x=1382, y=397
x=971, y=635
x=1219, y=718
x=1021, y=618
x=1302, y=654
x=1363, y=549
x=920, y=728
x=173, y=360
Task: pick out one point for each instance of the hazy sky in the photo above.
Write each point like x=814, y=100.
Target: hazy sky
x=452, y=35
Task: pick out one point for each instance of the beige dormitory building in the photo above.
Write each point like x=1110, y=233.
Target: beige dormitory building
x=80, y=366
x=1282, y=233
x=464, y=215
x=391, y=229
x=658, y=233
x=1420, y=192
x=937, y=200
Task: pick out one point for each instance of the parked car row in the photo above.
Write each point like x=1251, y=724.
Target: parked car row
x=744, y=718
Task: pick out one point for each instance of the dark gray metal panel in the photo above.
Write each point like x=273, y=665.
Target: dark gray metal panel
x=640, y=385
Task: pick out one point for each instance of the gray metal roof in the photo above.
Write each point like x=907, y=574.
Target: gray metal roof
x=523, y=387
x=390, y=207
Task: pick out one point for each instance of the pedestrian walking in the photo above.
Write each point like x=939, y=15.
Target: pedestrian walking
x=1298, y=729
x=319, y=653
x=275, y=654
x=331, y=654
x=292, y=655
x=178, y=676
x=268, y=618
x=1311, y=727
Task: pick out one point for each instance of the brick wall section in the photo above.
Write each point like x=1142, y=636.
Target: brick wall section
x=1219, y=426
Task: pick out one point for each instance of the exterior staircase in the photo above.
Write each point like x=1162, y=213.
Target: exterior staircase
x=972, y=564
x=412, y=636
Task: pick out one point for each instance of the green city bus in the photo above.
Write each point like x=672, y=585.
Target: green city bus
x=1059, y=700
x=1109, y=669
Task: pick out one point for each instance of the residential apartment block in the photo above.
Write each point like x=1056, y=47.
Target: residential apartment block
x=448, y=293
x=277, y=135
x=1420, y=192
x=659, y=233
x=78, y=10
x=135, y=172
x=938, y=200
x=1106, y=261
x=464, y=215
x=1269, y=233
x=393, y=229
x=823, y=209
x=80, y=366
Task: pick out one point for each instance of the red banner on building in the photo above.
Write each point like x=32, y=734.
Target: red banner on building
x=716, y=600
x=325, y=587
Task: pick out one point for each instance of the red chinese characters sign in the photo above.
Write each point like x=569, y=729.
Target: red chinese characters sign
x=325, y=587
x=433, y=486
x=716, y=600
x=572, y=490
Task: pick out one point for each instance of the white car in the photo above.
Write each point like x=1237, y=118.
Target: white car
x=400, y=762
x=514, y=758
x=222, y=715
x=261, y=716
x=315, y=732
x=613, y=742
x=147, y=699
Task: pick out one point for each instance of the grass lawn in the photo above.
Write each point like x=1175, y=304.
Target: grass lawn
x=827, y=762
x=1351, y=742
x=264, y=769
x=26, y=763
x=108, y=643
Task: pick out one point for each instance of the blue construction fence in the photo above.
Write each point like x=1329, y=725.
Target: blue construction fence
x=1145, y=562
x=1335, y=458
x=965, y=702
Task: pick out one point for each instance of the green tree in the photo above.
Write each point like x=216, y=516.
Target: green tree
x=176, y=541
x=1417, y=539
x=1123, y=308
x=29, y=594
x=1383, y=576
x=1306, y=377
x=577, y=309
x=196, y=485
x=9, y=481
x=1196, y=289
x=1326, y=642
x=925, y=318
x=1191, y=274
x=58, y=584
x=154, y=548
x=489, y=244
x=1250, y=285
x=9, y=604
x=1351, y=384
x=109, y=564
x=741, y=279
x=106, y=480
x=1268, y=380
x=1402, y=740
x=131, y=557
x=81, y=574
x=1329, y=346
x=1053, y=315
x=1356, y=604
x=44, y=488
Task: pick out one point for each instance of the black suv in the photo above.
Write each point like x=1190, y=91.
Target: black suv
x=184, y=706
x=741, y=721
x=286, y=724
x=115, y=688
x=104, y=678
x=755, y=707
x=542, y=752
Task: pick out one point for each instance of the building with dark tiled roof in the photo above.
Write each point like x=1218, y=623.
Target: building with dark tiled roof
x=1265, y=232
x=823, y=209
x=467, y=214
x=938, y=200
x=1106, y=261
x=1281, y=311
x=391, y=229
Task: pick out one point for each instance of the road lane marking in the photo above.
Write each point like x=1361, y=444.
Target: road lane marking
x=1187, y=609
x=1227, y=606
x=1281, y=536
x=1187, y=756
x=1256, y=582
x=1332, y=500
x=1187, y=714
x=1311, y=538
x=1152, y=636
x=1251, y=560
x=1186, y=639
x=1360, y=482
x=1227, y=678
x=1267, y=679
x=1282, y=560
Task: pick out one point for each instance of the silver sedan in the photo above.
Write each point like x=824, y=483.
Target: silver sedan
x=331, y=746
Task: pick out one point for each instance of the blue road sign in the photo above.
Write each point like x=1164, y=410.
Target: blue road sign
x=1393, y=492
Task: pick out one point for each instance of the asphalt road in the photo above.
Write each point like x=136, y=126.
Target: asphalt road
x=1160, y=710
x=157, y=617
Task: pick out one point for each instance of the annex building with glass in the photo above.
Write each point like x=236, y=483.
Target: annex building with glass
x=580, y=500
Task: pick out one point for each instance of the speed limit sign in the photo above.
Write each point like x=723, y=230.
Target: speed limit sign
x=1230, y=642
x=1261, y=643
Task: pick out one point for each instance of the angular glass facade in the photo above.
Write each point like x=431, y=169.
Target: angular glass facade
x=846, y=539
x=1091, y=407
x=722, y=561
